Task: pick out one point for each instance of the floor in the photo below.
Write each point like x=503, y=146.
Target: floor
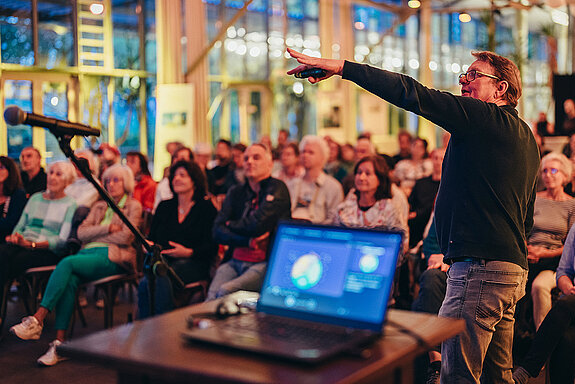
x=18, y=358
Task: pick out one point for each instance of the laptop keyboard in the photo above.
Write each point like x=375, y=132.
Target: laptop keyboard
x=286, y=329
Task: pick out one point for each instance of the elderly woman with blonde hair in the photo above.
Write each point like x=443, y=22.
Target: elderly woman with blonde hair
x=107, y=250
x=39, y=237
x=553, y=216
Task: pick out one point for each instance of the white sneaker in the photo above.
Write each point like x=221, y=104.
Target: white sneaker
x=51, y=357
x=29, y=329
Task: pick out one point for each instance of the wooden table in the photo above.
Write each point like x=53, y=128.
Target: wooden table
x=152, y=351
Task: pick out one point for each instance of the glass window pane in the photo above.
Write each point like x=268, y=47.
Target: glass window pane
x=16, y=33
x=150, y=20
x=96, y=109
x=19, y=93
x=126, y=107
x=151, y=115
x=54, y=104
x=125, y=15
x=55, y=34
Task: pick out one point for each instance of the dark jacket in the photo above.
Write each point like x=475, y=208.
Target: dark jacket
x=484, y=207
x=246, y=215
x=9, y=218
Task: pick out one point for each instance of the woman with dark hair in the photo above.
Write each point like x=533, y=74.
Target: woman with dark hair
x=145, y=190
x=12, y=197
x=182, y=226
x=374, y=202
x=419, y=166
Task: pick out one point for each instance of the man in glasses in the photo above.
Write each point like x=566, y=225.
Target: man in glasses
x=484, y=207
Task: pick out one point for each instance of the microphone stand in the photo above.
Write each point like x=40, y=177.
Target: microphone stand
x=154, y=262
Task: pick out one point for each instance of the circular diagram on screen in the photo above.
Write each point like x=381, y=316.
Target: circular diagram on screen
x=306, y=271
x=368, y=263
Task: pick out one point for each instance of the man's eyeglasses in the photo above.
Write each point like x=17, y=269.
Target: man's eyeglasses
x=552, y=171
x=469, y=76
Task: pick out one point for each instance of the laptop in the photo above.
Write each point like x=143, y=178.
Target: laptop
x=325, y=292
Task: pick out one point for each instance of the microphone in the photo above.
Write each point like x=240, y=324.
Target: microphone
x=15, y=116
x=318, y=73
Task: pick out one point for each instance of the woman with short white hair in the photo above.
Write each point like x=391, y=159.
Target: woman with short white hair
x=39, y=237
x=107, y=250
x=553, y=216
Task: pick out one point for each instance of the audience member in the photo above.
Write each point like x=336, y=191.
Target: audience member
x=422, y=198
x=33, y=175
x=182, y=226
x=291, y=168
x=334, y=166
x=12, y=197
x=108, y=250
x=283, y=138
x=408, y=171
x=404, y=140
x=81, y=189
x=109, y=155
x=171, y=148
x=249, y=214
x=364, y=147
x=374, y=202
x=553, y=216
x=316, y=195
x=145, y=188
x=569, y=122
x=163, y=189
x=238, y=159
x=221, y=176
x=542, y=126
x=202, y=155
x=39, y=238
x=555, y=338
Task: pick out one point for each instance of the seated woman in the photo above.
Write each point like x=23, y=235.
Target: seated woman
x=145, y=188
x=553, y=215
x=555, y=338
x=182, y=226
x=12, y=197
x=40, y=236
x=375, y=201
x=409, y=171
x=108, y=250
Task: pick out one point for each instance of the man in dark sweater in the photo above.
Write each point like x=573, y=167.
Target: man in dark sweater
x=33, y=175
x=250, y=212
x=484, y=207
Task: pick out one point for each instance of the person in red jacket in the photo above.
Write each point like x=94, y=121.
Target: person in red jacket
x=145, y=190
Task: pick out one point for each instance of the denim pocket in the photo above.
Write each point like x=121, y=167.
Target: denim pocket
x=494, y=299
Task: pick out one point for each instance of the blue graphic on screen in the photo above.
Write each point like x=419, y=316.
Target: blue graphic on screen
x=333, y=272
x=312, y=268
x=307, y=271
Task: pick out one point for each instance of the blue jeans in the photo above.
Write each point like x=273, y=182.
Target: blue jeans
x=236, y=275
x=483, y=293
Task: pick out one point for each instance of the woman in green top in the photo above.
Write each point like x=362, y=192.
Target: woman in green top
x=108, y=250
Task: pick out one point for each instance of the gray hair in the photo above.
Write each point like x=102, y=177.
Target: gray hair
x=565, y=164
x=67, y=169
x=312, y=139
x=125, y=172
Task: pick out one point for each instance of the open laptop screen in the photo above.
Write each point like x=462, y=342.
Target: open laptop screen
x=330, y=274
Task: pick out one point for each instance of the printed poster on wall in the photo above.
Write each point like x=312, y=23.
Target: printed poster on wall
x=174, y=121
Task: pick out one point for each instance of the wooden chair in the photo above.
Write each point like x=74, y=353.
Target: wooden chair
x=31, y=286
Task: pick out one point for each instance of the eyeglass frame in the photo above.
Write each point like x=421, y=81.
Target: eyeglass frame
x=475, y=76
x=552, y=171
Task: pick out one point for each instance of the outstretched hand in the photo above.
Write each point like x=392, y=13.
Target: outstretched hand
x=331, y=66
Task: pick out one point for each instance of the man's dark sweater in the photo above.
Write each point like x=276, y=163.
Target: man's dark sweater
x=35, y=184
x=484, y=207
